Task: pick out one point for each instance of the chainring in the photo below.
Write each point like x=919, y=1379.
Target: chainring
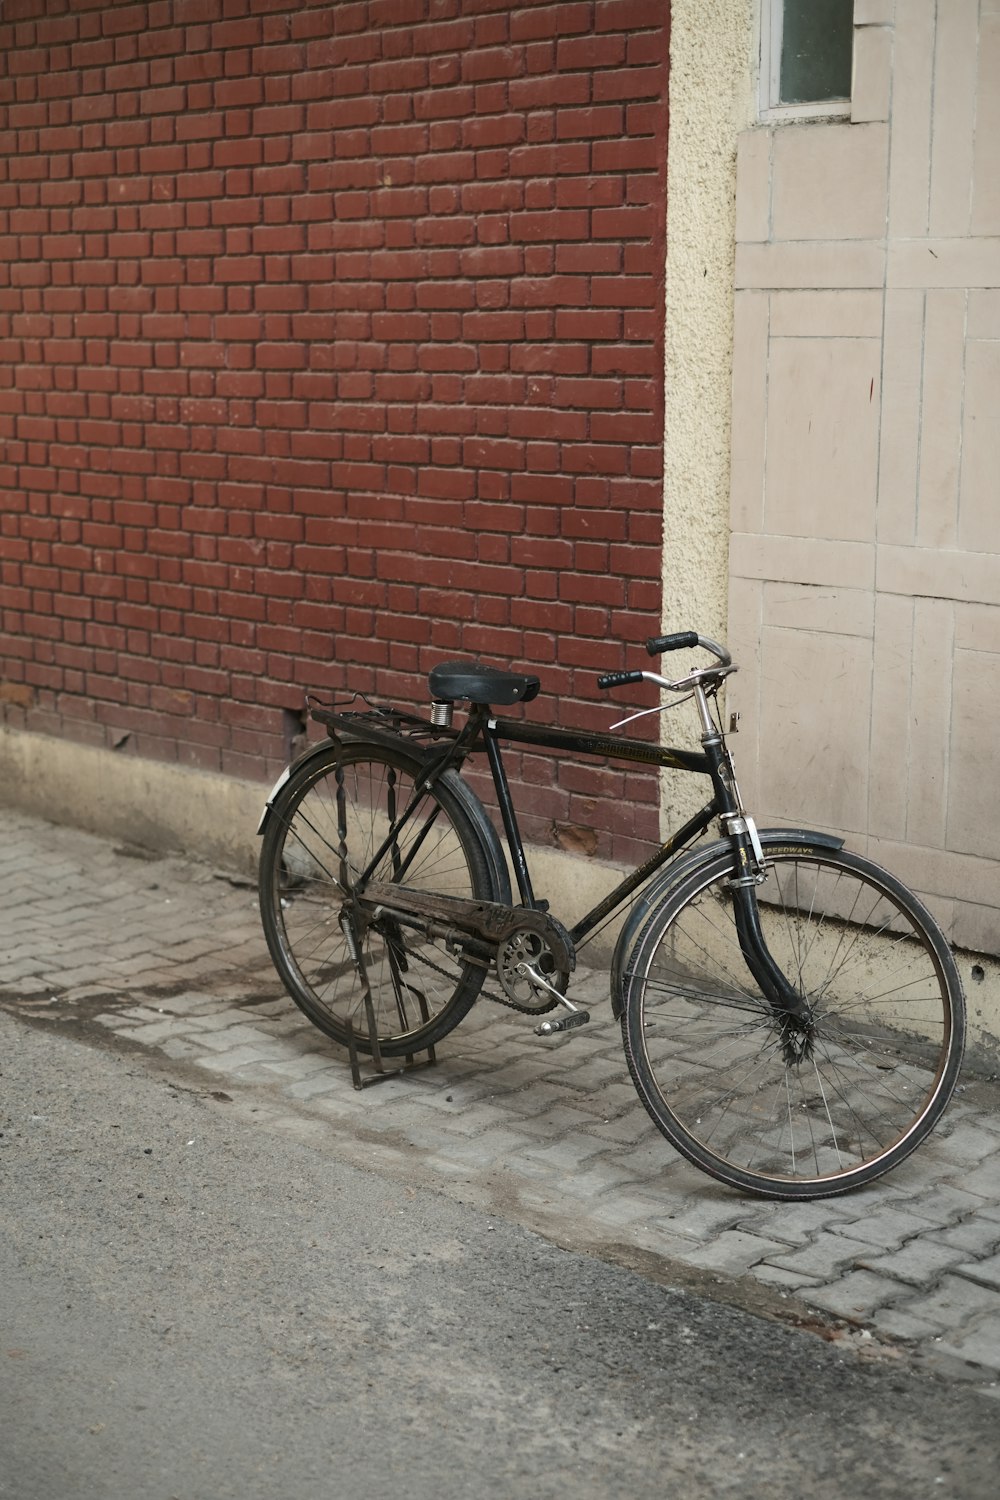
x=537, y=941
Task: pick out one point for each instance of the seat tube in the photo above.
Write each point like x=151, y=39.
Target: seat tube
x=508, y=815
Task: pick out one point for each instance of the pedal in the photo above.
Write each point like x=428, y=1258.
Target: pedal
x=564, y=1023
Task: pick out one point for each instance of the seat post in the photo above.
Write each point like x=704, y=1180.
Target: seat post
x=507, y=813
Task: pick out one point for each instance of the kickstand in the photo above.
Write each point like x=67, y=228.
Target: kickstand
x=380, y=1074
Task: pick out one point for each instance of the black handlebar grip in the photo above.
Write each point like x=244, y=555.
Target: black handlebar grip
x=618, y=679
x=660, y=643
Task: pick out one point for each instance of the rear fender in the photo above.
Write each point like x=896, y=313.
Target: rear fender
x=419, y=757
x=680, y=869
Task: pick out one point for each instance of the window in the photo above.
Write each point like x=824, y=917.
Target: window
x=806, y=50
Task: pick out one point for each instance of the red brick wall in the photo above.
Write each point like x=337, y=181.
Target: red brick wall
x=330, y=347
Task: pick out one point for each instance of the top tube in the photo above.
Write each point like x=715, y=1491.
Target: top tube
x=617, y=747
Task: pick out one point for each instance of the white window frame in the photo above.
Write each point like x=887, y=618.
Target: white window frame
x=772, y=17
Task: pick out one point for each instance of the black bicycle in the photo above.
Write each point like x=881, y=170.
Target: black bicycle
x=792, y=1016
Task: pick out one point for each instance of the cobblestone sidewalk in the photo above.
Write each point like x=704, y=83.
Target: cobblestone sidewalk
x=168, y=956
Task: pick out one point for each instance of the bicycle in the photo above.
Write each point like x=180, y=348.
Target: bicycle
x=792, y=1015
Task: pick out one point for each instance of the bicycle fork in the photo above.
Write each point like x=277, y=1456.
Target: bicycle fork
x=788, y=1004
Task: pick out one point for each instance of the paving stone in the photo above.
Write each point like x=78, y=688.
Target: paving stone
x=943, y=1204
x=542, y=1097
x=890, y=1228
x=339, y=1104
x=224, y=1039
x=178, y=1049
x=627, y=1208
x=598, y=1176
x=784, y=1280
x=918, y=1263
x=633, y=1128
x=432, y=1138
x=828, y=1255
x=451, y=1097
x=900, y=1324
x=855, y=1296
x=985, y=1272
x=567, y=1153
x=156, y=1033
x=976, y=1235
x=984, y=1180
x=592, y=1076
x=651, y=1155
x=614, y=1101
x=519, y=1074
x=965, y=1143
x=558, y=1121
x=979, y=1345
x=702, y=1217
x=476, y=1119
x=194, y=1004
x=733, y=1252
x=29, y=978
x=300, y=1065
x=488, y=1149
x=953, y=1303
x=793, y=1223
x=235, y=1060
x=328, y=1081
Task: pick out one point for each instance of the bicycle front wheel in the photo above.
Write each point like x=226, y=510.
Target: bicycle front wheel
x=710, y=1057
x=323, y=831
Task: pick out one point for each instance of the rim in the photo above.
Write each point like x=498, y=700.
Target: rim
x=882, y=1037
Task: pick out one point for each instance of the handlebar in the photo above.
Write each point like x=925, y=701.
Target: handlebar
x=619, y=679
x=658, y=644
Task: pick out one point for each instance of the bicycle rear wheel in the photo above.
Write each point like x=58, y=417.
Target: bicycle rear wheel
x=707, y=1053
x=324, y=828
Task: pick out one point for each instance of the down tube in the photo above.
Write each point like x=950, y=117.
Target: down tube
x=616, y=898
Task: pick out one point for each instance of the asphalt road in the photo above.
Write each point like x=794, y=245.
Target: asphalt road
x=194, y=1304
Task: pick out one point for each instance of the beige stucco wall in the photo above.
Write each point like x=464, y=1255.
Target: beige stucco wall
x=711, y=101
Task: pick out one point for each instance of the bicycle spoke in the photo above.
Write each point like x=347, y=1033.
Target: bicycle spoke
x=352, y=815
x=867, y=1076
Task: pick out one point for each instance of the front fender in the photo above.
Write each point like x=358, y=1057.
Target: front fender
x=678, y=870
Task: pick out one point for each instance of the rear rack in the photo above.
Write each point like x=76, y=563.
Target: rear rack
x=374, y=715
x=384, y=724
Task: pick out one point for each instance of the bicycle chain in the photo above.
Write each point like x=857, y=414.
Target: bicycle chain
x=542, y=926
x=506, y=1000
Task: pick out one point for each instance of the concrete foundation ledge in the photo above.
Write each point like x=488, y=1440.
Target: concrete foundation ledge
x=214, y=818
x=148, y=803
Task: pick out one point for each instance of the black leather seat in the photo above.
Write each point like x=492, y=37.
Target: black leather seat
x=455, y=680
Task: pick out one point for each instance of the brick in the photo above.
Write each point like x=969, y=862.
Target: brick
x=431, y=284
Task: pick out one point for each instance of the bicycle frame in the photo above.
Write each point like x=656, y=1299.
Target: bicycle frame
x=485, y=730
x=483, y=727
x=615, y=747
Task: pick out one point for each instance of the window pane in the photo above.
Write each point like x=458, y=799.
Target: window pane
x=816, y=43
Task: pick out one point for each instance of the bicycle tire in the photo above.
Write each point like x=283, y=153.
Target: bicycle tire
x=419, y=989
x=706, y=1051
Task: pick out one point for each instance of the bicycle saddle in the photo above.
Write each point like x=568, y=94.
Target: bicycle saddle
x=480, y=684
